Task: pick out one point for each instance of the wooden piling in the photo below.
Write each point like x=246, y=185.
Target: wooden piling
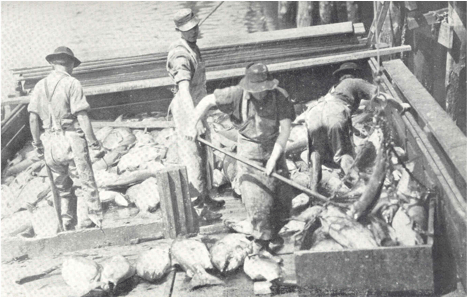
x=325, y=12
x=352, y=11
x=455, y=66
x=304, y=14
x=178, y=214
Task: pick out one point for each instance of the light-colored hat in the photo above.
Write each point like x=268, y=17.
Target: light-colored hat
x=60, y=52
x=185, y=20
x=257, y=79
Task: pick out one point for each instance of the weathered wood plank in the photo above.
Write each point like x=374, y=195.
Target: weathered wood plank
x=232, y=73
x=378, y=23
x=134, y=125
x=178, y=214
x=426, y=19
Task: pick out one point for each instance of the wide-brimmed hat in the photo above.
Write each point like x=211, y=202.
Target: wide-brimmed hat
x=347, y=67
x=257, y=79
x=185, y=20
x=60, y=52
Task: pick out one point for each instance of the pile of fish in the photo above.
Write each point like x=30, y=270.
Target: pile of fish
x=387, y=206
x=203, y=266
x=126, y=178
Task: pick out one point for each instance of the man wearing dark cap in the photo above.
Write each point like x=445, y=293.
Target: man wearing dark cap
x=329, y=122
x=59, y=103
x=186, y=67
x=262, y=114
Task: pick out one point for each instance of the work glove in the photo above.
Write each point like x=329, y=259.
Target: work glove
x=96, y=150
x=39, y=149
x=193, y=131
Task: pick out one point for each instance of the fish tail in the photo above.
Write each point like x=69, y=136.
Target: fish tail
x=202, y=278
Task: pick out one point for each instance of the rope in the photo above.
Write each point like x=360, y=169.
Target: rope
x=378, y=70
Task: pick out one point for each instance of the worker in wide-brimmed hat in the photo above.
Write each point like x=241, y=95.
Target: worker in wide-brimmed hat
x=187, y=70
x=329, y=122
x=59, y=103
x=262, y=113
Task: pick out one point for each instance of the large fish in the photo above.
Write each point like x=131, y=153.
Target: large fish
x=81, y=274
x=260, y=269
x=297, y=223
x=326, y=245
x=403, y=225
x=384, y=234
x=346, y=231
x=139, y=156
x=194, y=258
x=152, y=265
x=229, y=253
x=145, y=195
x=115, y=271
x=118, y=137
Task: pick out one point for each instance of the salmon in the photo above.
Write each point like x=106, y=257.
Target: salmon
x=81, y=274
x=152, y=265
x=403, y=225
x=115, y=271
x=346, y=231
x=194, y=258
x=230, y=252
x=145, y=195
x=258, y=268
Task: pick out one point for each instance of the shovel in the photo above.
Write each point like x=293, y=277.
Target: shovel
x=275, y=175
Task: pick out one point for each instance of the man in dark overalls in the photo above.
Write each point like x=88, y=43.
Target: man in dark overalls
x=186, y=67
x=262, y=114
x=59, y=102
x=329, y=122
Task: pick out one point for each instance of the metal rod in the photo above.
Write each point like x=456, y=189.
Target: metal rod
x=215, y=8
x=275, y=175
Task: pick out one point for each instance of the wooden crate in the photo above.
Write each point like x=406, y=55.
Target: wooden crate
x=358, y=272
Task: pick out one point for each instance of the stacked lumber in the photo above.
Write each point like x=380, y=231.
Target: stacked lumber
x=223, y=53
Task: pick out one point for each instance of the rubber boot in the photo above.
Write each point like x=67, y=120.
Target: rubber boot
x=67, y=216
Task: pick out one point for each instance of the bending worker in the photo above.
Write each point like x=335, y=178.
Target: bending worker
x=329, y=122
x=262, y=114
x=59, y=102
x=186, y=68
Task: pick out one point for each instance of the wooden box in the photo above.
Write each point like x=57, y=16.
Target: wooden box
x=358, y=272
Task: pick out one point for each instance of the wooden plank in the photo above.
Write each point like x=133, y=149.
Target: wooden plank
x=394, y=269
x=427, y=19
x=175, y=202
x=76, y=240
x=359, y=29
x=134, y=125
x=444, y=130
x=232, y=73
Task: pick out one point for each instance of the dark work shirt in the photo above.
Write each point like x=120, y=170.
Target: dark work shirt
x=353, y=90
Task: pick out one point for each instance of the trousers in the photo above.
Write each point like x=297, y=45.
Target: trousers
x=75, y=168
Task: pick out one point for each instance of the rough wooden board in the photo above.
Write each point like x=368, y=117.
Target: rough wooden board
x=134, y=125
x=77, y=240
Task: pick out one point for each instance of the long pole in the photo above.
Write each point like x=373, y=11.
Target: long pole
x=275, y=175
x=215, y=8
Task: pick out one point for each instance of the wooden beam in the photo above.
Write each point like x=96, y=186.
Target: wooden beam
x=134, y=125
x=427, y=19
x=177, y=212
x=235, y=72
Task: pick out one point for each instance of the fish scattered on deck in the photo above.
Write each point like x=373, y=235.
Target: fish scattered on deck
x=229, y=252
x=300, y=201
x=194, y=258
x=81, y=274
x=326, y=245
x=115, y=271
x=153, y=264
x=259, y=268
